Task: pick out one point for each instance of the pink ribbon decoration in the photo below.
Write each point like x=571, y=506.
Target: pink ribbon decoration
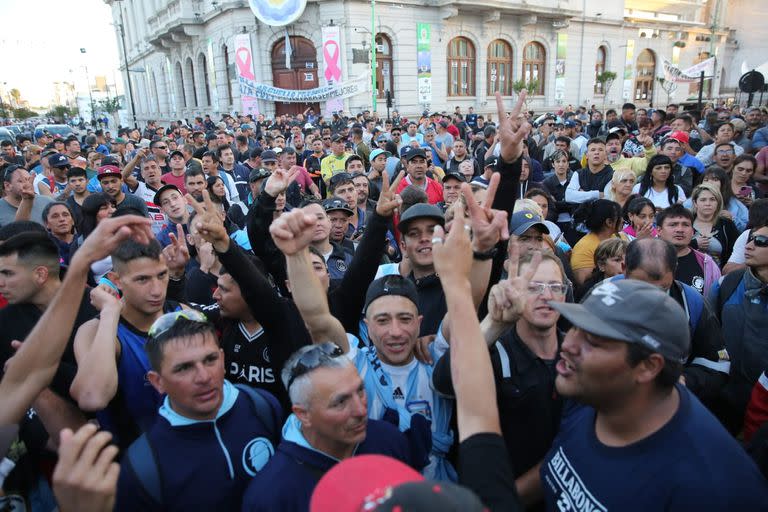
x=243, y=60
x=332, y=70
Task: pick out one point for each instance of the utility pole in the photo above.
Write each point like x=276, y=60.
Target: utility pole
x=374, y=92
x=88, y=82
x=127, y=71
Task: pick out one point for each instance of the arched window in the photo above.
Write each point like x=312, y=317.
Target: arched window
x=534, y=62
x=202, y=63
x=384, y=70
x=499, y=68
x=181, y=92
x=227, y=76
x=191, y=75
x=461, y=67
x=645, y=73
x=599, y=68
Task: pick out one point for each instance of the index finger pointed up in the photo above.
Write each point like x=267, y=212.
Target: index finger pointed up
x=533, y=266
x=396, y=183
x=180, y=235
x=519, y=104
x=501, y=113
x=493, y=186
x=198, y=207
x=514, y=256
x=208, y=202
x=469, y=197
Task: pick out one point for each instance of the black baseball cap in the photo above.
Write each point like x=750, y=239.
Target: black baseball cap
x=164, y=188
x=335, y=204
x=634, y=312
x=337, y=138
x=454, y=176
x=58, y=160
x=258, y=174
x=176, y=152
x=420, y=211
x=491, y=161
x=393, y=284
x=268, y=156
x=415, y=152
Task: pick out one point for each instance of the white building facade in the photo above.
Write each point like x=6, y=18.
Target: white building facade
x=181, y=53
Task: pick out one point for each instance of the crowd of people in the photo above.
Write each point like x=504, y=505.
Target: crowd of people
x=557, y=311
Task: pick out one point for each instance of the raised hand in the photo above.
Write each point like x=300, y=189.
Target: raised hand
x=109, y=234
x=293, y=232
x=208, y=222
x=280, y=180
x=512, y=130
x=452, y=254
x=389, y=201
x=104, y=297
x=176, y=254
x=488, y=225
x=507, y=299
x=85, y=478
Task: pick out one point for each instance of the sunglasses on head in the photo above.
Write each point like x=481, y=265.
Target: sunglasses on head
x=311, y=359
x=758, y=240
x=168, y=320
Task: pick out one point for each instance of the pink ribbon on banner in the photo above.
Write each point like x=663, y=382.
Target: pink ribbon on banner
x=243, y=60
x=332, y=70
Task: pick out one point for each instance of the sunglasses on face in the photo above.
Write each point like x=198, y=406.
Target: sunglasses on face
x=161, y=147
x=758, y=240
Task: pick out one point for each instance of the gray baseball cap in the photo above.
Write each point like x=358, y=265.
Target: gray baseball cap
x=420, y=211
x=634, y=312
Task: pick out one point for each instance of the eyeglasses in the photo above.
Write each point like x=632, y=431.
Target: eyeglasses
x=161, y=147
x=8, y=173
x=168, y=320
x=537, y=288
x=312, y=358
x=758, y=240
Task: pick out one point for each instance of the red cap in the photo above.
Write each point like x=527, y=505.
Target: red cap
x=349, y=484
x=681, y=137
x=109, y=170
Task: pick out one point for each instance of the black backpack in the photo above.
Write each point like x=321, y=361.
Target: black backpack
x=141, y=456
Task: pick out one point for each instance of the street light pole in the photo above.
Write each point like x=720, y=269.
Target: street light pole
x=127, y=71
x=374, y=91
x=88, y=83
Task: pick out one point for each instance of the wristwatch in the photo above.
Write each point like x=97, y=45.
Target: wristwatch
x=485, y=256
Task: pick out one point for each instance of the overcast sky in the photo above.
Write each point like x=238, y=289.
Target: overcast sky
x=40, y=43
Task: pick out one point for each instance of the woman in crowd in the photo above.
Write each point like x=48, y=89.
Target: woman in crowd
x=236, y=211
x=96, y=207
x=621, y=186
x=658, y=184
x=60, y=223
x=724, y=135
x=525, y=174
x=714, y=233
x=609, y=262
x=732, y=207
x=640, y=215
x=603, y=220
x=741, y=176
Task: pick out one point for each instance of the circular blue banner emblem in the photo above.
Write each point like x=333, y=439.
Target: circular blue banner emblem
x=277, y=12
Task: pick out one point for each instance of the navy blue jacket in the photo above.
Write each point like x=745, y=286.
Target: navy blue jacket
x=287, y=482
x=197, y=470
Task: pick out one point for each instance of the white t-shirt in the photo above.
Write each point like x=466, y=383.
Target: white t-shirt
x=660, y=199
x=737, y=256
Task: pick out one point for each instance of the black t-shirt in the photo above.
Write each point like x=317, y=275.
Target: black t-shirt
x=690, y=272
x=529, y=406
x=484, y=468
x=18, y=320
x=256, y=360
